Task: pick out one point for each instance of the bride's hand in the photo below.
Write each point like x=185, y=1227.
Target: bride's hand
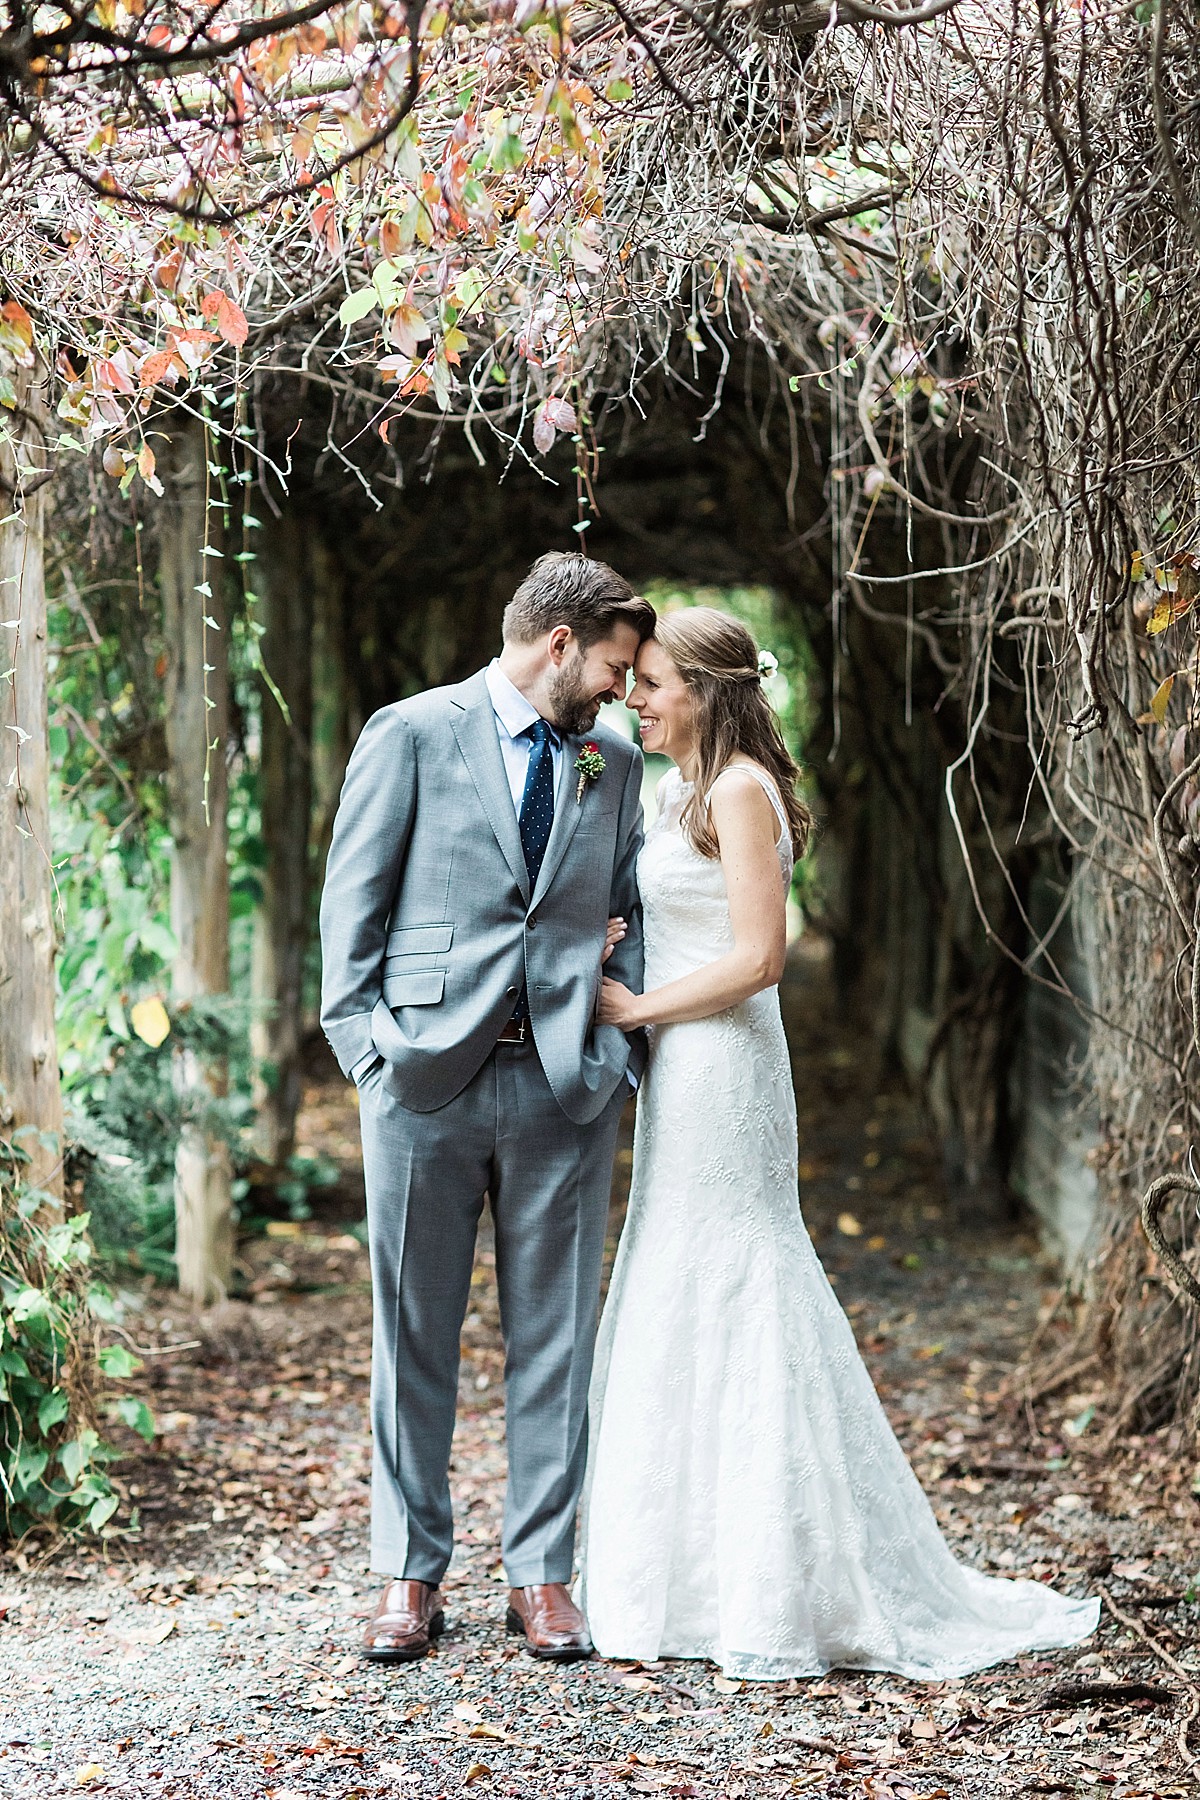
x=613, y=934
x=617, y=1005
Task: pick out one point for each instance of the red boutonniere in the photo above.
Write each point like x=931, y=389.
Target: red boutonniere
x=589, y=766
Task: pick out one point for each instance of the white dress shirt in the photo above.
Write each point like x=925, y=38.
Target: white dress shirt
x=515, y=714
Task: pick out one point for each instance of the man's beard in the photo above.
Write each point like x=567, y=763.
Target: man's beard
x=573, y=707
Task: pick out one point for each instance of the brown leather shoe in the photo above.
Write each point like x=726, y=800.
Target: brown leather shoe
x=405, y=1623
x=550, y=1622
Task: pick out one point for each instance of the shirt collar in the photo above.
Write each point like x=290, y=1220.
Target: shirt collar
x=509, y=704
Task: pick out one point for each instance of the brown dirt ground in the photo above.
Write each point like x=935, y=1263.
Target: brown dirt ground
x=210, y=1654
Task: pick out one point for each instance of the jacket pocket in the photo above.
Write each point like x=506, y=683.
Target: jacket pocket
x=414, y=940
x=420, y=988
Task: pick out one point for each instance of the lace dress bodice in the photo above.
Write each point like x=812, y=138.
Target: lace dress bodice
x=685, y=912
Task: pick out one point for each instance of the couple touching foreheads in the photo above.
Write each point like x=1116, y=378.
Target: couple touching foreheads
x=504, y=956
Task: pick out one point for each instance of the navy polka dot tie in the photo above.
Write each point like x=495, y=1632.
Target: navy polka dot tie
x=536, y=816
x=537, y=803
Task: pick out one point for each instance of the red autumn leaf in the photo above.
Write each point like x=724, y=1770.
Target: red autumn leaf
x=166, y=270
x=114, y=462
x=553, y=415
x=227, y=315
x=407, y=329
x=157, y=366
x=561, y=414
x=109, y=374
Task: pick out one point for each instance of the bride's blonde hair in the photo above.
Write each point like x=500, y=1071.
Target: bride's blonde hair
x=718, y=660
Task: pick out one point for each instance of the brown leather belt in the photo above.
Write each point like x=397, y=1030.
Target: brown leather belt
x=515, y=1032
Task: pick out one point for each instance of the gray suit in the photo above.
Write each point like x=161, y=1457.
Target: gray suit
x=428, y=930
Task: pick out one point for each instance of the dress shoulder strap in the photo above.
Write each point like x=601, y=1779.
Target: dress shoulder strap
x=765, y=781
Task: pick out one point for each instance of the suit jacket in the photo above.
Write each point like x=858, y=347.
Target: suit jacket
x=428, y=925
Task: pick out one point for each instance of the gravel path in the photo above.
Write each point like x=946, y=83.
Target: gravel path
x=211, y=1654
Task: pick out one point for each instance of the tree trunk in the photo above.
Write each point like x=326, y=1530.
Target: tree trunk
x=197, y=719
x=331, y=703
x=285, y=797
x=30, y=1097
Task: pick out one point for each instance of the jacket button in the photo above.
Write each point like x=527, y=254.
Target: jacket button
x=512, y=992
x=531, y=921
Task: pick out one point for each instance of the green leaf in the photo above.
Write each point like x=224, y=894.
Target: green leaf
x=102, y=1510
x=114, y=1013
x=53, y=1409
x=30, y=1303
x=507, y=151
x=137, y=1415
x=29, y=1467
x=356, y=306
x=158, y=938
x=75, y=1456
x=101, y=1305
x=117, y=1361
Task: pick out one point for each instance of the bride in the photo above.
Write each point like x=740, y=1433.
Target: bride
x=746, y=1499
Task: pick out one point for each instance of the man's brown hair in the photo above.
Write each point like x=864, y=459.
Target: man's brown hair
x=566, y=588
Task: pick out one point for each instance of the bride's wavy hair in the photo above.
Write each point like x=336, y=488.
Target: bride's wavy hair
x=718, y=660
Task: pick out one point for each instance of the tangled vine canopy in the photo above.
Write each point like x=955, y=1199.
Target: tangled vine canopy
x=965, y=233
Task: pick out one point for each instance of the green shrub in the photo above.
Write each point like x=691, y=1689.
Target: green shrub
x=54, y=1368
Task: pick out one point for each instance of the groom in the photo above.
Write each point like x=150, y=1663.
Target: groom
x=482, y=842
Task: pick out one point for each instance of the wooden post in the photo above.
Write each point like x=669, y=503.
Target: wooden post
x=30, y=1096
x=197, y=719
x=285, y=797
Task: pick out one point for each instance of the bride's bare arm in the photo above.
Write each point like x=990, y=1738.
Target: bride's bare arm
x=746, y=828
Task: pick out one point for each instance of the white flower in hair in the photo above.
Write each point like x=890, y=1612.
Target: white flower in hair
x=768, y=665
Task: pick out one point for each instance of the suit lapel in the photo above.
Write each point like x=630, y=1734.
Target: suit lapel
x=473, y=724
x=566, y=815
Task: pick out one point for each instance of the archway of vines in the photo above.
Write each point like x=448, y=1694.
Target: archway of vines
x=963, y=238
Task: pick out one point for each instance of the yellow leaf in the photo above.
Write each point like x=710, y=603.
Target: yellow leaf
x=86, y=1773
x=150, y=1020
x=1137, y=567
x=1162, y=699
x=848, y=1225
x=474, y=1773
x=723, y=1685
x=1160, y=618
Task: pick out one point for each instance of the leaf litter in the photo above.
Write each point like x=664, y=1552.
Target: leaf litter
x=211, y=1655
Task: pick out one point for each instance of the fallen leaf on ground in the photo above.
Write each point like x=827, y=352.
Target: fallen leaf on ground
x=156, y=1633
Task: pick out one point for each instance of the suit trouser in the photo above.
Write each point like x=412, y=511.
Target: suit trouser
x=548, y=1181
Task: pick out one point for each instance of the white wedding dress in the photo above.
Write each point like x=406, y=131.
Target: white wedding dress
x=746, y=1499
